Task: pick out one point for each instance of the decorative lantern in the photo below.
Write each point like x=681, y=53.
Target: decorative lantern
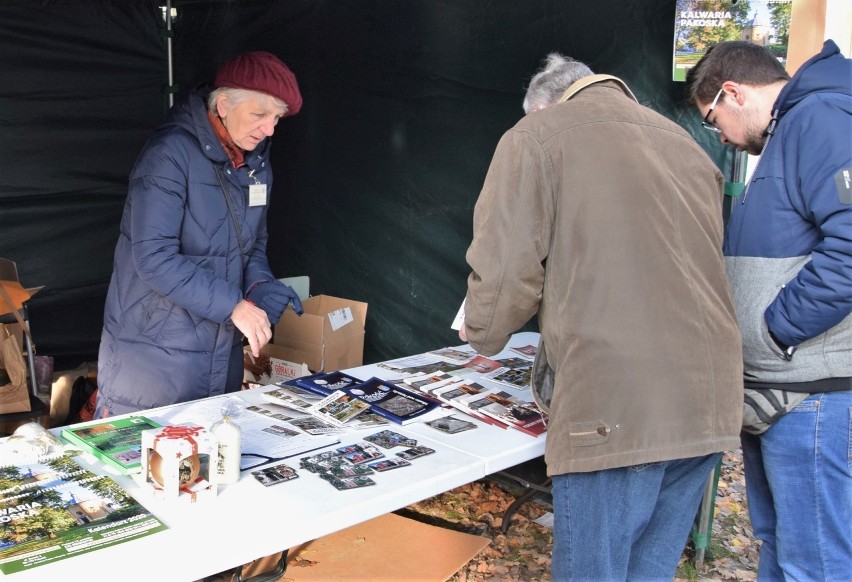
x=180, y=461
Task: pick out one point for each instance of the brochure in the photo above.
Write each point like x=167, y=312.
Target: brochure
x=339, y=407
x=519, y=414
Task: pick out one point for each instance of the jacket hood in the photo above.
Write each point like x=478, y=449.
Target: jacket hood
x=827, y=72
x=190, y=114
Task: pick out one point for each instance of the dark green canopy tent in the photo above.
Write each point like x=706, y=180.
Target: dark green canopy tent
x=376, y=178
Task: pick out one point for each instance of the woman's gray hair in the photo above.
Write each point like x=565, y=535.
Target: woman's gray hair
x=550, y=83
x=237, y=96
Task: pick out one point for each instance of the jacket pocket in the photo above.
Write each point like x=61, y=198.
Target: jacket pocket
x=157, y=311
x=770, y=344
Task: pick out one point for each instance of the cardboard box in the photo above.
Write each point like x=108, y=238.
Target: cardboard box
x=329, y=336
x=271, y=367
x=372, y=551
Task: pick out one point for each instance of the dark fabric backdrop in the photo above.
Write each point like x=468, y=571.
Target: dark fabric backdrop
x=376, y=178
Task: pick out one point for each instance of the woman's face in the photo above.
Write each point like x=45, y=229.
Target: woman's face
x=249, y=121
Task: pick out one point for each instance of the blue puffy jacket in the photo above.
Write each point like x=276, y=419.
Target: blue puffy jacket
x=788, y=246
x=178, y=271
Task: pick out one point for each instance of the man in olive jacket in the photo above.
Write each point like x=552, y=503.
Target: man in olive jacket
x=604, y=218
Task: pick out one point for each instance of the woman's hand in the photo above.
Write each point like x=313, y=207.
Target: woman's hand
x=254, y=324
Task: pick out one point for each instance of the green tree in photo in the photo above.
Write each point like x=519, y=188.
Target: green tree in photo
x=779, y=17
x=699, y=38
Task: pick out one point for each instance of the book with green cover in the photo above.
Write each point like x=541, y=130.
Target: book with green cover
x=116, y=442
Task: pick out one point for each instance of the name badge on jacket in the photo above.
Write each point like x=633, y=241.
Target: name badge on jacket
x=257, y=195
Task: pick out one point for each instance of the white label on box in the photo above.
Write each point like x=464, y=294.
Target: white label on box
x=340, y=317
x=283, y=370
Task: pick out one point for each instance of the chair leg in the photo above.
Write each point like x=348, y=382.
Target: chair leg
x=30, y=353
x=517, y=503
x=271, y=576
x=701, y=532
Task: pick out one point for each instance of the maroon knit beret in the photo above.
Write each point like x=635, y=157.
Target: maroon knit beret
x=264, y=72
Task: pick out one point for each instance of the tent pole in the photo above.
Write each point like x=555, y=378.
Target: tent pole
x=169, y=51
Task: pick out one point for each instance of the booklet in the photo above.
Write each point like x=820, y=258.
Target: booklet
x=394, y=402
x=325, y=384
x=116, y=442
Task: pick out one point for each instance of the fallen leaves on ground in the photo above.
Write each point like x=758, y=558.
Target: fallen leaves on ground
x=523, y=553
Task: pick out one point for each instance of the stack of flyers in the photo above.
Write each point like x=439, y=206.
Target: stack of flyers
x=459, y=394
x=426, y=383
x=291, y=397
x=451, y=424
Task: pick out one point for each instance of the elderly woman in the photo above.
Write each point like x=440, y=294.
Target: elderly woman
x=191, y=278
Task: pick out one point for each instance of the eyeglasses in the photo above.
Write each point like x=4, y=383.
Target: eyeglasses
x=706, y=123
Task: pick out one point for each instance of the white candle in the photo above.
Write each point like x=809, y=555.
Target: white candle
x=229, y=436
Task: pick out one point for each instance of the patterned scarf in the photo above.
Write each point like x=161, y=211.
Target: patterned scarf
x=235, y=153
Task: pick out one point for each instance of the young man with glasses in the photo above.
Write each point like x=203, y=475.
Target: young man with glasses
x=788, y=252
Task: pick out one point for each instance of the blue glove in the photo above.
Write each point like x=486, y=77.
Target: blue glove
x=274, y=297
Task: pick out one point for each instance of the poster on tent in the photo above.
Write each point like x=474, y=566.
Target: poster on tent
x=699, y=24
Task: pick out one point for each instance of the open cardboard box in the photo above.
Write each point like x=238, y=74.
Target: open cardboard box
x=272, y=366
x=329, y=336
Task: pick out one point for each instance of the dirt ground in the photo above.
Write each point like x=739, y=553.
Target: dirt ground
x=523, y=553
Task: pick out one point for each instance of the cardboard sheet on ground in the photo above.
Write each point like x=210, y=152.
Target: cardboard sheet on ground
x=388, y=548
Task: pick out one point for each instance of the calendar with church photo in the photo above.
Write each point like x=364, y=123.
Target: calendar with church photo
x=53, y=508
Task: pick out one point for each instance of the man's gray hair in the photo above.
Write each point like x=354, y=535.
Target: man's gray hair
x=550, y=83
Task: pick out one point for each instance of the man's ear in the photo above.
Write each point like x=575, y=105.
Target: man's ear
x=735, y=92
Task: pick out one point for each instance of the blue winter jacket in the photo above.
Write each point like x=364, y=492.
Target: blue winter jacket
x=179, y=271
x=788, y=246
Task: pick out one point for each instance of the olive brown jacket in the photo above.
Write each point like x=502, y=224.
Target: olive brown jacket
x=604, y=218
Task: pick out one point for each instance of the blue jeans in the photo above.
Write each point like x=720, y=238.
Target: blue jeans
x=630, y=523
x=799, y=487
